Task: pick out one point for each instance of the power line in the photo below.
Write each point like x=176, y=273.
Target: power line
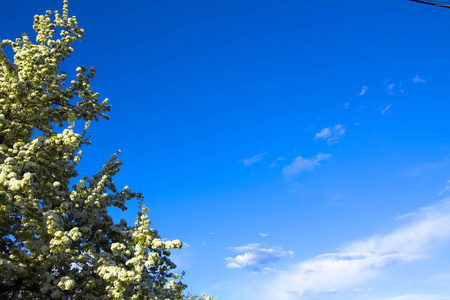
x=436, y=3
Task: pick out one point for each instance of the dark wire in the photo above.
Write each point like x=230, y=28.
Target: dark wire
x=436, y=3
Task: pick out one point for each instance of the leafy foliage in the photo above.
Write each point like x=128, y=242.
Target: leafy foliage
x=58, y=241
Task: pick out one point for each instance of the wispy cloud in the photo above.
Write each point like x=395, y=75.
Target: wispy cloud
x=264, y=234
x=276, y=161
x=255, y=158
x=417, y=297
x=364, y=90
x=425, y=168
x=364, y=260
x=417, y=79
x=394, y=87
x=331, y=134
x=254, y=256
x=301, y=164
x=390, y=88
x=385, y=110
x=445, y=189
x=440, y=279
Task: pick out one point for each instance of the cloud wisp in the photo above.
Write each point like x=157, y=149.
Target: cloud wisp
x=445, y=189
x=425, y=168
x=417, y=297
x=253, y=256
x=417, y=79
x=363, y=90
x=331, y=134
x=385, y=110
x=390, y=88
x=364, y=260
x=300, y=164
x=276, y=161
x=247, y=162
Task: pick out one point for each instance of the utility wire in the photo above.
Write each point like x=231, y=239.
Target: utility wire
x=436, y=3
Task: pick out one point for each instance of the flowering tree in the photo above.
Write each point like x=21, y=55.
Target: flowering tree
x=56, y=239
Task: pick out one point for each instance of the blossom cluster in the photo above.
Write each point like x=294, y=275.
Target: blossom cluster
x=56, y=238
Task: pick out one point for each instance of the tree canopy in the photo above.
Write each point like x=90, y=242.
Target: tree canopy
x=56, y=238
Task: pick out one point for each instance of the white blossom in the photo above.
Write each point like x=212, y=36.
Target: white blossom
x=58, y=240
x=66, y=283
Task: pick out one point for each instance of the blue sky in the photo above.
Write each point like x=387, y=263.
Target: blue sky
x=299, y=149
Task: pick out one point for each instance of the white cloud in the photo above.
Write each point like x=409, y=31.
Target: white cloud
x=364, y=260
x=253, y=256
x=364, y=90
x=385, y=110
x=417, y=79
x=425, y=168
x=250, y=161
x=445, y=189
x=275, y=162
x=300, y=164
x=417, y=297
x=331, y=134
x=391, y=87
x=264, y=234
x=439, y=279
